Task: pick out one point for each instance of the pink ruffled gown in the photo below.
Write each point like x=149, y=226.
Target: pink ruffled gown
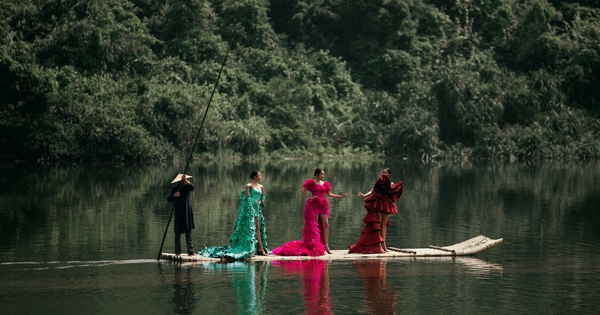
x=312, y=233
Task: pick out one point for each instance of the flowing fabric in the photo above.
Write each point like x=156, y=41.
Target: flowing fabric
x=243, y=242
x=382, y=200
x=312, y=233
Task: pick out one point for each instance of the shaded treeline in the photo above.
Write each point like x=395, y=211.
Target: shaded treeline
x=130, y=79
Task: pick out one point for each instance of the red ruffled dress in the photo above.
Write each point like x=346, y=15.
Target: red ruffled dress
x=312, y=233
x=382, y=200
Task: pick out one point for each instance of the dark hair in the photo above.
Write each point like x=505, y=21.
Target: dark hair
x=389, y=172
x=253, y=174
x=317, y=171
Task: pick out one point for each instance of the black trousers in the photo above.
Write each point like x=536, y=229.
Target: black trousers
x=188, y=243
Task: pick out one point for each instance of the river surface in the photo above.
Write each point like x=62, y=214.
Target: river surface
x=85, y=240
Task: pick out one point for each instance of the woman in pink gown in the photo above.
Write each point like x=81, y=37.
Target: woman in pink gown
x=379, y=203
x=315, y=234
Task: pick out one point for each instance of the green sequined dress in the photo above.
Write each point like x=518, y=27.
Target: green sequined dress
x=243, y=242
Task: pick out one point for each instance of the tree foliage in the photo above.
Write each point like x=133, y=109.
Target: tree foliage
x=131, y=79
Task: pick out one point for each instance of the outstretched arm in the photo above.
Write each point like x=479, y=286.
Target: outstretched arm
x=369, y=193
x=336, y=196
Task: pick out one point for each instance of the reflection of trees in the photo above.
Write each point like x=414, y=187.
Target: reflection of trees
x=183, y=291
x=315, y=279
x=492, y=196
x=124, y=206
x=380, y=298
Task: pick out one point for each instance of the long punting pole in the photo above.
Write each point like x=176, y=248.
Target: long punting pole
x=194, y=146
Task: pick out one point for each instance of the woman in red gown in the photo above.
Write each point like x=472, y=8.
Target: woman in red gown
x=379, y=203
x=315, y=234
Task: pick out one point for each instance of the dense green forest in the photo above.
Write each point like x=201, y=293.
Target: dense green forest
x=130, y=80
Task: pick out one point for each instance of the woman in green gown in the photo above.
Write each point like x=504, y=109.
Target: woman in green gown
x=249, y=234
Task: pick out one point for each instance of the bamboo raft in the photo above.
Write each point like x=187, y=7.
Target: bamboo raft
x=469, y=247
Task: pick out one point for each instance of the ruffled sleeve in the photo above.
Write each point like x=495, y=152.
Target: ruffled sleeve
x=327, y=187
x=396, y=191
x=309, y=184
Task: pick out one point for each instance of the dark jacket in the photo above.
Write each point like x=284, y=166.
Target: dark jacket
x=184, y=216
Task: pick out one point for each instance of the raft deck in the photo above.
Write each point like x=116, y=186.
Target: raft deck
x=469, y=247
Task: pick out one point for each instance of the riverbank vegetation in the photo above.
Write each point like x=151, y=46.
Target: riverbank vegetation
x=418, y=79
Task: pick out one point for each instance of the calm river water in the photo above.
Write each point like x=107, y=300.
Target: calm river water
x=84, y=240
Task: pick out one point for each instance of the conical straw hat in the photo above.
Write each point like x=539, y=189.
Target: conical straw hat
x=178, y=178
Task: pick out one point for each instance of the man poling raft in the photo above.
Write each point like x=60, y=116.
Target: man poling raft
x=192, y=151
x=184, y=216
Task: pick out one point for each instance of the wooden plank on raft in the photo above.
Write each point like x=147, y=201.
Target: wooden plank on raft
x=469, y=247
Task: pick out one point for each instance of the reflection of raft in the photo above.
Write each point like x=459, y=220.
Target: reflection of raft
x=469, y=247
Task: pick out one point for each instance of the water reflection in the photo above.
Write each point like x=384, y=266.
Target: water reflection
x=249, y=281
x=380, y=297
x=44, y=265
x=67, y=233
x=479, y=267
x=315, y=283
x=183, y=290
x=374, y=285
